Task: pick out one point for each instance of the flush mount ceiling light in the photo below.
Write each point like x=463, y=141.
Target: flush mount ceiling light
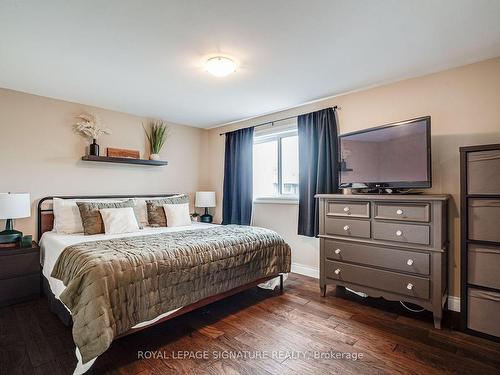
x=220, y=66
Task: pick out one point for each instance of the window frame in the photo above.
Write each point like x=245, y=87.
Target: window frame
x=277, y=136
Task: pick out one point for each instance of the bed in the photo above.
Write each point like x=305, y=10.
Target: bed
x=109, y=286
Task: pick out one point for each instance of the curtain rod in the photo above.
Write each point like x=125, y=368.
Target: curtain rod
x=272, y=122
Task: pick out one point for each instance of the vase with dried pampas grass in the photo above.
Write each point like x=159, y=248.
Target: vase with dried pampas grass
x=90, y=126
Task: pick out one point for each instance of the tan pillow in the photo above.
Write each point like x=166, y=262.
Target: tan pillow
x=156, y=213
x=91, y=217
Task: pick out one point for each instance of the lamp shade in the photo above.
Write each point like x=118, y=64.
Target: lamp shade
x=15, y=205
x=205, y=199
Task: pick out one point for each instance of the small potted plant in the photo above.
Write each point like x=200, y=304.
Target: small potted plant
x=89, y=126
x=157, y=136
x=195, y=216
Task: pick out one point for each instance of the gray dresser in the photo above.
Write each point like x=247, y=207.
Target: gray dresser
x=480, y=239
x=390, y=246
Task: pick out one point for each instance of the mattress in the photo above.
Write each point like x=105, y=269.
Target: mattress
x=52, y=245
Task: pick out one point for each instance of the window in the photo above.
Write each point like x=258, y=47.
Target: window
x=276, y=164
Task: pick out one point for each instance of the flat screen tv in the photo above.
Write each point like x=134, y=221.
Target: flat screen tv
x=393, y=156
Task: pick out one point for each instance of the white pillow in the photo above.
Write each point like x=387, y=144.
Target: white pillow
x=67, y=217
x=119, y=220
x=177, y=214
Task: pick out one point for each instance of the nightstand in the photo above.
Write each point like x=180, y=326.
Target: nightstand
x=19, y=274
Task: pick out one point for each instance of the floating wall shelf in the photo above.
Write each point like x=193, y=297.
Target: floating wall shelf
x=107, y=159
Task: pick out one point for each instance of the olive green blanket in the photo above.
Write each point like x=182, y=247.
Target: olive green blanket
x=113, y=285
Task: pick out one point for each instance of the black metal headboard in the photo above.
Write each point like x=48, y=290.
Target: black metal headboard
x=45, y=215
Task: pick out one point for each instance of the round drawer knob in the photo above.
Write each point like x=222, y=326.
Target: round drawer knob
x=399, y=233
x=409, y=286
x=409, y=262
x=399, y=211
x=337, y=251
x=337, y=271
x=346, y=209
x=347, y=227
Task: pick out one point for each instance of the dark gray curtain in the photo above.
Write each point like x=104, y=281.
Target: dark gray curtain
x=318, y=165
x=238, y=178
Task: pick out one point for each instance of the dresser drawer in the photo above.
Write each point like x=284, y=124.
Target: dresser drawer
x=483, y=266
x=407, y=233
x=347, y=227
x=484, y=219
x=19, y=264
x=407, y=285
x=482, y=172
x=19, y=289
x=399, y=260
x=348, y=208
x=403, y=211
x=483, y=311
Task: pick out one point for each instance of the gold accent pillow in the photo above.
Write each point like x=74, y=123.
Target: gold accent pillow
x=91, y=217
x=156, y=213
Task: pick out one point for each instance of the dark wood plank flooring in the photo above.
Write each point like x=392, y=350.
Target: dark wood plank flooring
x=34, y=341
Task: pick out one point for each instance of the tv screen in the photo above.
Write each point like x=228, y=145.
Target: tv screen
x=390, y=156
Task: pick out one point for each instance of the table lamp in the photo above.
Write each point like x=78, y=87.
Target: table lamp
x=13, y=206
x=205, y=199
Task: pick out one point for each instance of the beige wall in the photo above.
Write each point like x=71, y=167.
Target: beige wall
x=40, y=153
x=465, y=107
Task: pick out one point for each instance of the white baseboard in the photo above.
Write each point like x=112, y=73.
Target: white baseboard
x=302, y=269
x=454, y=303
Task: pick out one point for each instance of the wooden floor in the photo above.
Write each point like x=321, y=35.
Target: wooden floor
x=282, y=328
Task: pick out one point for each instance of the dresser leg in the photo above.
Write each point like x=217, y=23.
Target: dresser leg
x=437, y=321
x=323, y=290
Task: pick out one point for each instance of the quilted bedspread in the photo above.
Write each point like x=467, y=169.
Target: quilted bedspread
x=113, y=285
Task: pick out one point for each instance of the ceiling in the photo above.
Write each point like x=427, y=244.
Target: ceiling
x=145, y=57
